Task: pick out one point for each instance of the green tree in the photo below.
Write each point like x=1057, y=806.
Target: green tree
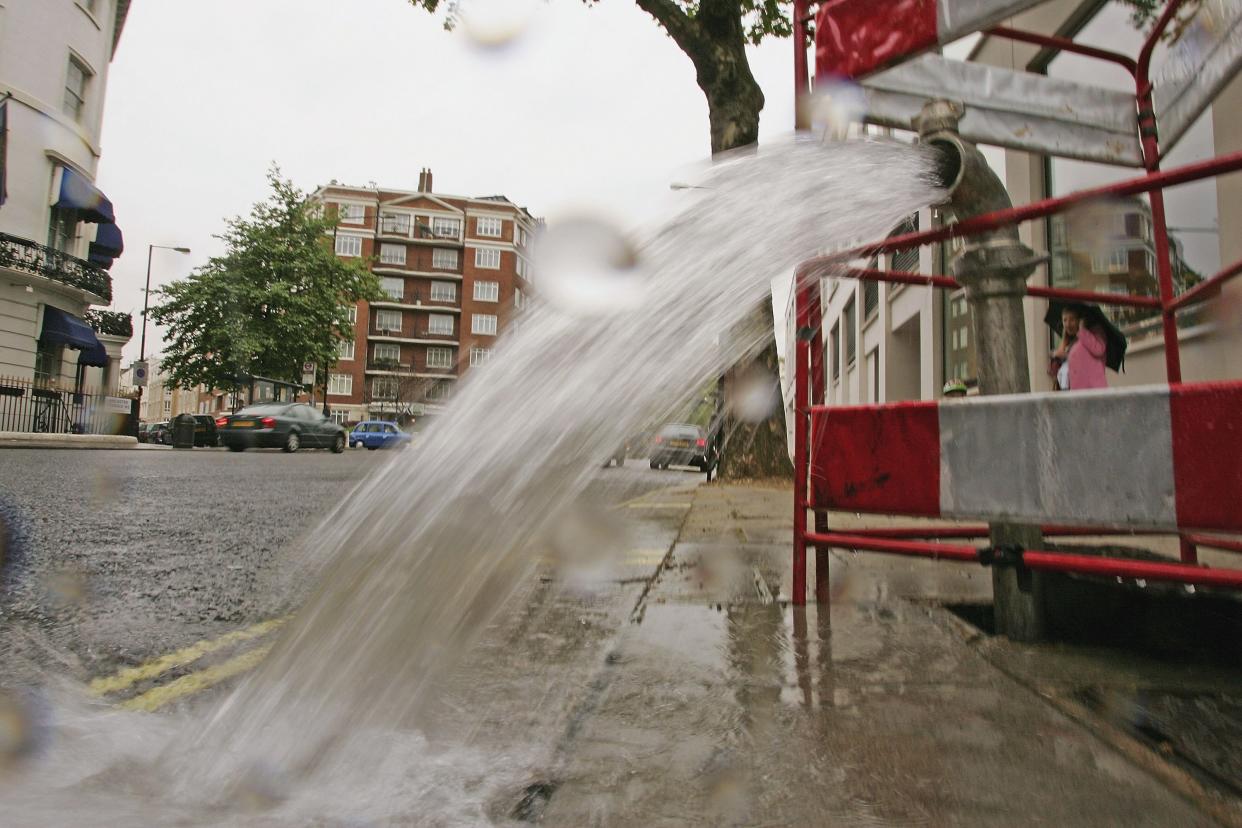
x=276, y=298
x=714, y=34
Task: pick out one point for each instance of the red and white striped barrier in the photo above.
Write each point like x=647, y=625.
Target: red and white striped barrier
x=856, y=37
x=1155, y=457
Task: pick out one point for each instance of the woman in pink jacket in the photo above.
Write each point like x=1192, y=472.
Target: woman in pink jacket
x=1081, y=354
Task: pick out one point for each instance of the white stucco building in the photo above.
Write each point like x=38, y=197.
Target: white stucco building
x=58, y=233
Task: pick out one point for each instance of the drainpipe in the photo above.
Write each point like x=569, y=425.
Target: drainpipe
x=993, y=267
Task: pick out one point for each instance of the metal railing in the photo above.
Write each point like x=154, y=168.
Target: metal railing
x=38, y=407
x=40, y=260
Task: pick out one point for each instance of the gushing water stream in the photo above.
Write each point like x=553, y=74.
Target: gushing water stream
x=415, y=563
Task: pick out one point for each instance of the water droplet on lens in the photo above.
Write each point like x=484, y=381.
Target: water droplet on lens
x=495, y=24
x=758, y=395
x=68, y=587
x=21, y=727
x=1142, y=583
x=832, y=108
x=586, y=267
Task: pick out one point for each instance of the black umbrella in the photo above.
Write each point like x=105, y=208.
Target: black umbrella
x=1114, y=340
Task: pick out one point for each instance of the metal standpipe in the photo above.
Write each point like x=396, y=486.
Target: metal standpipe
x=993, y=268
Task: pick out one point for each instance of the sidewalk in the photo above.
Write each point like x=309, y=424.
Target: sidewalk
x=21, y=439
x=721, y=704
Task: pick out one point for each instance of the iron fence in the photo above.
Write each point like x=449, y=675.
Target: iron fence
x=38, y=407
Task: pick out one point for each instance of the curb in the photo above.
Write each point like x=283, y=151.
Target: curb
x=18, y=439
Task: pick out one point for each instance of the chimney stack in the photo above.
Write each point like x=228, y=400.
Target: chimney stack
x=429, y=188
x=422, y=180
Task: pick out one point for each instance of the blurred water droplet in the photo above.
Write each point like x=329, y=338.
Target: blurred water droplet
x=496, y=24
x=1095, y=227
x=832, y=109
x=22, y=727
x=262, y=789
x=1142, y=583
x=758, y=395
x=587, y=267
x=1190, y=588
x=586, y=542
x=68, y=587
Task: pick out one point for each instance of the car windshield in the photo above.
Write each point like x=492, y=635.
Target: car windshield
x=680, y=432
x=263, y=411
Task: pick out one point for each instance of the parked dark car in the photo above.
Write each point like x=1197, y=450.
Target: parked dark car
x=205, y=432
x=288, y=426
x=679, y=444
x=157, y=433
x=377, y=434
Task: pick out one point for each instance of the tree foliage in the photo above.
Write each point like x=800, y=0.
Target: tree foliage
x=276, y=298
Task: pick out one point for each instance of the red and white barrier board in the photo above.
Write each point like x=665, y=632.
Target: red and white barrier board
x=856, y=37
x=1146, y=458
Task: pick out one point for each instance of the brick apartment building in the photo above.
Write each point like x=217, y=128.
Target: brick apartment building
x=455, y=269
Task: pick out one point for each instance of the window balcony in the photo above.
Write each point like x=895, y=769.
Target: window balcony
x=26, y=256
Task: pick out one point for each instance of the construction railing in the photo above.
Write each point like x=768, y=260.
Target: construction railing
x=902, y=458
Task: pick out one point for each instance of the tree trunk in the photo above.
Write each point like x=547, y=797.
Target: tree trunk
x=715, y=41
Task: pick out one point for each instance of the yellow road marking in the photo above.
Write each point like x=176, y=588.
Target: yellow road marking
x=156, y=698
x=180, y=658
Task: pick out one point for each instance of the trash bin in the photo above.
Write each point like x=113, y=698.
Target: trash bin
x=183, y=431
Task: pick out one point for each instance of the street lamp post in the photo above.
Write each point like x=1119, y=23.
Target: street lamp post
x=146, y=295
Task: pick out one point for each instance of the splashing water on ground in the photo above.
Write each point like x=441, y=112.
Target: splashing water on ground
x=412, y=567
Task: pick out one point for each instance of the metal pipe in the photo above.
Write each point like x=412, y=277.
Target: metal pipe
x=1208, y=288
x=1064, y=44
x=949, y=283
x=981, y=531
x=1037, y=209
x=1040, y=560
x=1223, y=544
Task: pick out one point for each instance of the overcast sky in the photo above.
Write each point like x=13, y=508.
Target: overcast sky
x=590, y=108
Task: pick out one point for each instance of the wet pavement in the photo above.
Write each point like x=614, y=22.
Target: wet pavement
x=661, y=677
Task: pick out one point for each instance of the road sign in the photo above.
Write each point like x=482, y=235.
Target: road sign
x=140, y=372
x=116, y=405
x=308, y=373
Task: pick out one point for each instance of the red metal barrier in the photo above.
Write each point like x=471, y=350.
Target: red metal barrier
x=808, y=351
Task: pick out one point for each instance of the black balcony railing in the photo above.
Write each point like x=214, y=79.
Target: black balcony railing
x=38, y=260
x=113, y=323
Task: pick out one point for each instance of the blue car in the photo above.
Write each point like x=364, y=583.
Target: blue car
x=376, y=434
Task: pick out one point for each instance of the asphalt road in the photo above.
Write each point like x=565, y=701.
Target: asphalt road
x=117, y=557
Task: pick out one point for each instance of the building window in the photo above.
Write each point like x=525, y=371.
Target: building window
x=387, y=352
x=339, y=416
x=349, y=246
x=488, y=226
x=439, y=391
x=392, y=254
x=1119, y=260
x=487, y=291
x=395, y=224
x=352, y=313
x=519, y=298
x=448, y=228
x=439, y=357
x=483, y=323
x=388, y=320
x=479, y=356
x=76, y=80
x=62, y=230
x=443, y=292
x=834, y=351
x=444, y=259
x=439, y=323
x=393, y=286
x=851, y=333
x=385, y=388
x=522, y=268
x=340, y=385
x=487, y=258
x=351, y=213
x=167, y=407
x=871, y=297
x=345, y=350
